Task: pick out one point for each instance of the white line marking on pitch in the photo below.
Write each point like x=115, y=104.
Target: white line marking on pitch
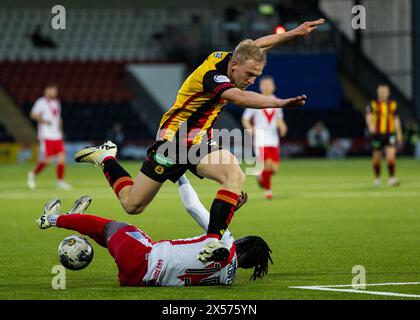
x=379, y=293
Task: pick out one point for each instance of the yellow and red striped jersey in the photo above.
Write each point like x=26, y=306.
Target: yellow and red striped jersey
x=383, y=116
x=198, y=103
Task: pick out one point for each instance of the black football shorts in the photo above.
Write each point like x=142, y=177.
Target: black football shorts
x=380, y=141
x=168, y=160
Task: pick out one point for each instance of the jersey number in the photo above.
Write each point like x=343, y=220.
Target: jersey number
x=201, y=276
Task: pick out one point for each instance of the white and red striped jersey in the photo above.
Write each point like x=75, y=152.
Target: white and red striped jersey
x=49, y=110
x=265, y=125
x=175, y=263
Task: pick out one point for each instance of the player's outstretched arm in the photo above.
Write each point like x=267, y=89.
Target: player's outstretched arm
x=192, y=203
x=267, y=42
x=250, y=99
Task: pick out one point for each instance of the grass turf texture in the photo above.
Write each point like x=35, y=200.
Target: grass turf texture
x=324, y=219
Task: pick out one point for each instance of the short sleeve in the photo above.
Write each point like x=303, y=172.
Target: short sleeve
x=280, y=114
x=216, y=82
x=248, y=114
x=394, y=107
x=38, y=107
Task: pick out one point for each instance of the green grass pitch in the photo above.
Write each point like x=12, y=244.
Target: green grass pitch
x=325, y=218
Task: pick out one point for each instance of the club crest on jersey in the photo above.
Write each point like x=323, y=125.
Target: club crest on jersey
x=221, y=79
x=218, y=55
x=159, y=169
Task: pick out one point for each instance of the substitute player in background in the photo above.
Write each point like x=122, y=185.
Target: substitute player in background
x=47, y=113
x=385, y=129
x=266, y=124
x=143, y=262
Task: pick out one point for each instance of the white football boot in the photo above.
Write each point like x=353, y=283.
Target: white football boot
x=393, y=182
x=80, y=205
x=63, y=185
x=51, y=208
x=268, y=194
x=96, y=155
x=213, y=251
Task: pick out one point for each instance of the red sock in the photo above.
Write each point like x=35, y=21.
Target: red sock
x=39, y=167
x=60, y=171
x=377, y=169
x=266, y=179
x=88, y=225
x=269, y=180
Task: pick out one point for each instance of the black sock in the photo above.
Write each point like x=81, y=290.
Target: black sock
x=117, y=177
x=221, y=212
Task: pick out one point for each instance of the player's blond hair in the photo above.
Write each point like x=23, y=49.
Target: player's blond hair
x=248, y=49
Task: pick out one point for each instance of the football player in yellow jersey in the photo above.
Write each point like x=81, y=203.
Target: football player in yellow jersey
x=385, y=129
x=184, y=139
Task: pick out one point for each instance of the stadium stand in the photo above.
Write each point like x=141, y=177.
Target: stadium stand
x=88, y=62
x=4, y=135
x=79, y=81
x=92, y=121
x=95, y=34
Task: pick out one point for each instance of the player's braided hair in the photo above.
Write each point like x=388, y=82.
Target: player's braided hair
x=253, y=252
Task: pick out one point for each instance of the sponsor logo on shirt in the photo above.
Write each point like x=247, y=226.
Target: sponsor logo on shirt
x=157, y=271
x=221, y=79
x=231, y=272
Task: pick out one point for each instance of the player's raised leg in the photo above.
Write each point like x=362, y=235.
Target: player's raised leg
x=134, y=196
x=223, y=167
x=89, y=225
x=80, y=205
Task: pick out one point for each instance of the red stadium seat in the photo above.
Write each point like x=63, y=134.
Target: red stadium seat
x=95, y=82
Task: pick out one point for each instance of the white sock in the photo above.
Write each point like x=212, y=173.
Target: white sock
x=193, y=205
x=52, y=219
x=211, y=240
x=103, y=156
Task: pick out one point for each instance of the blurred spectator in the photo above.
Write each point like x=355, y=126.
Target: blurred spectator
x=318, y=139
x=339, y=148
x=41, y=41
x=411, y=136
x=116, y=134
x=25, y=154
